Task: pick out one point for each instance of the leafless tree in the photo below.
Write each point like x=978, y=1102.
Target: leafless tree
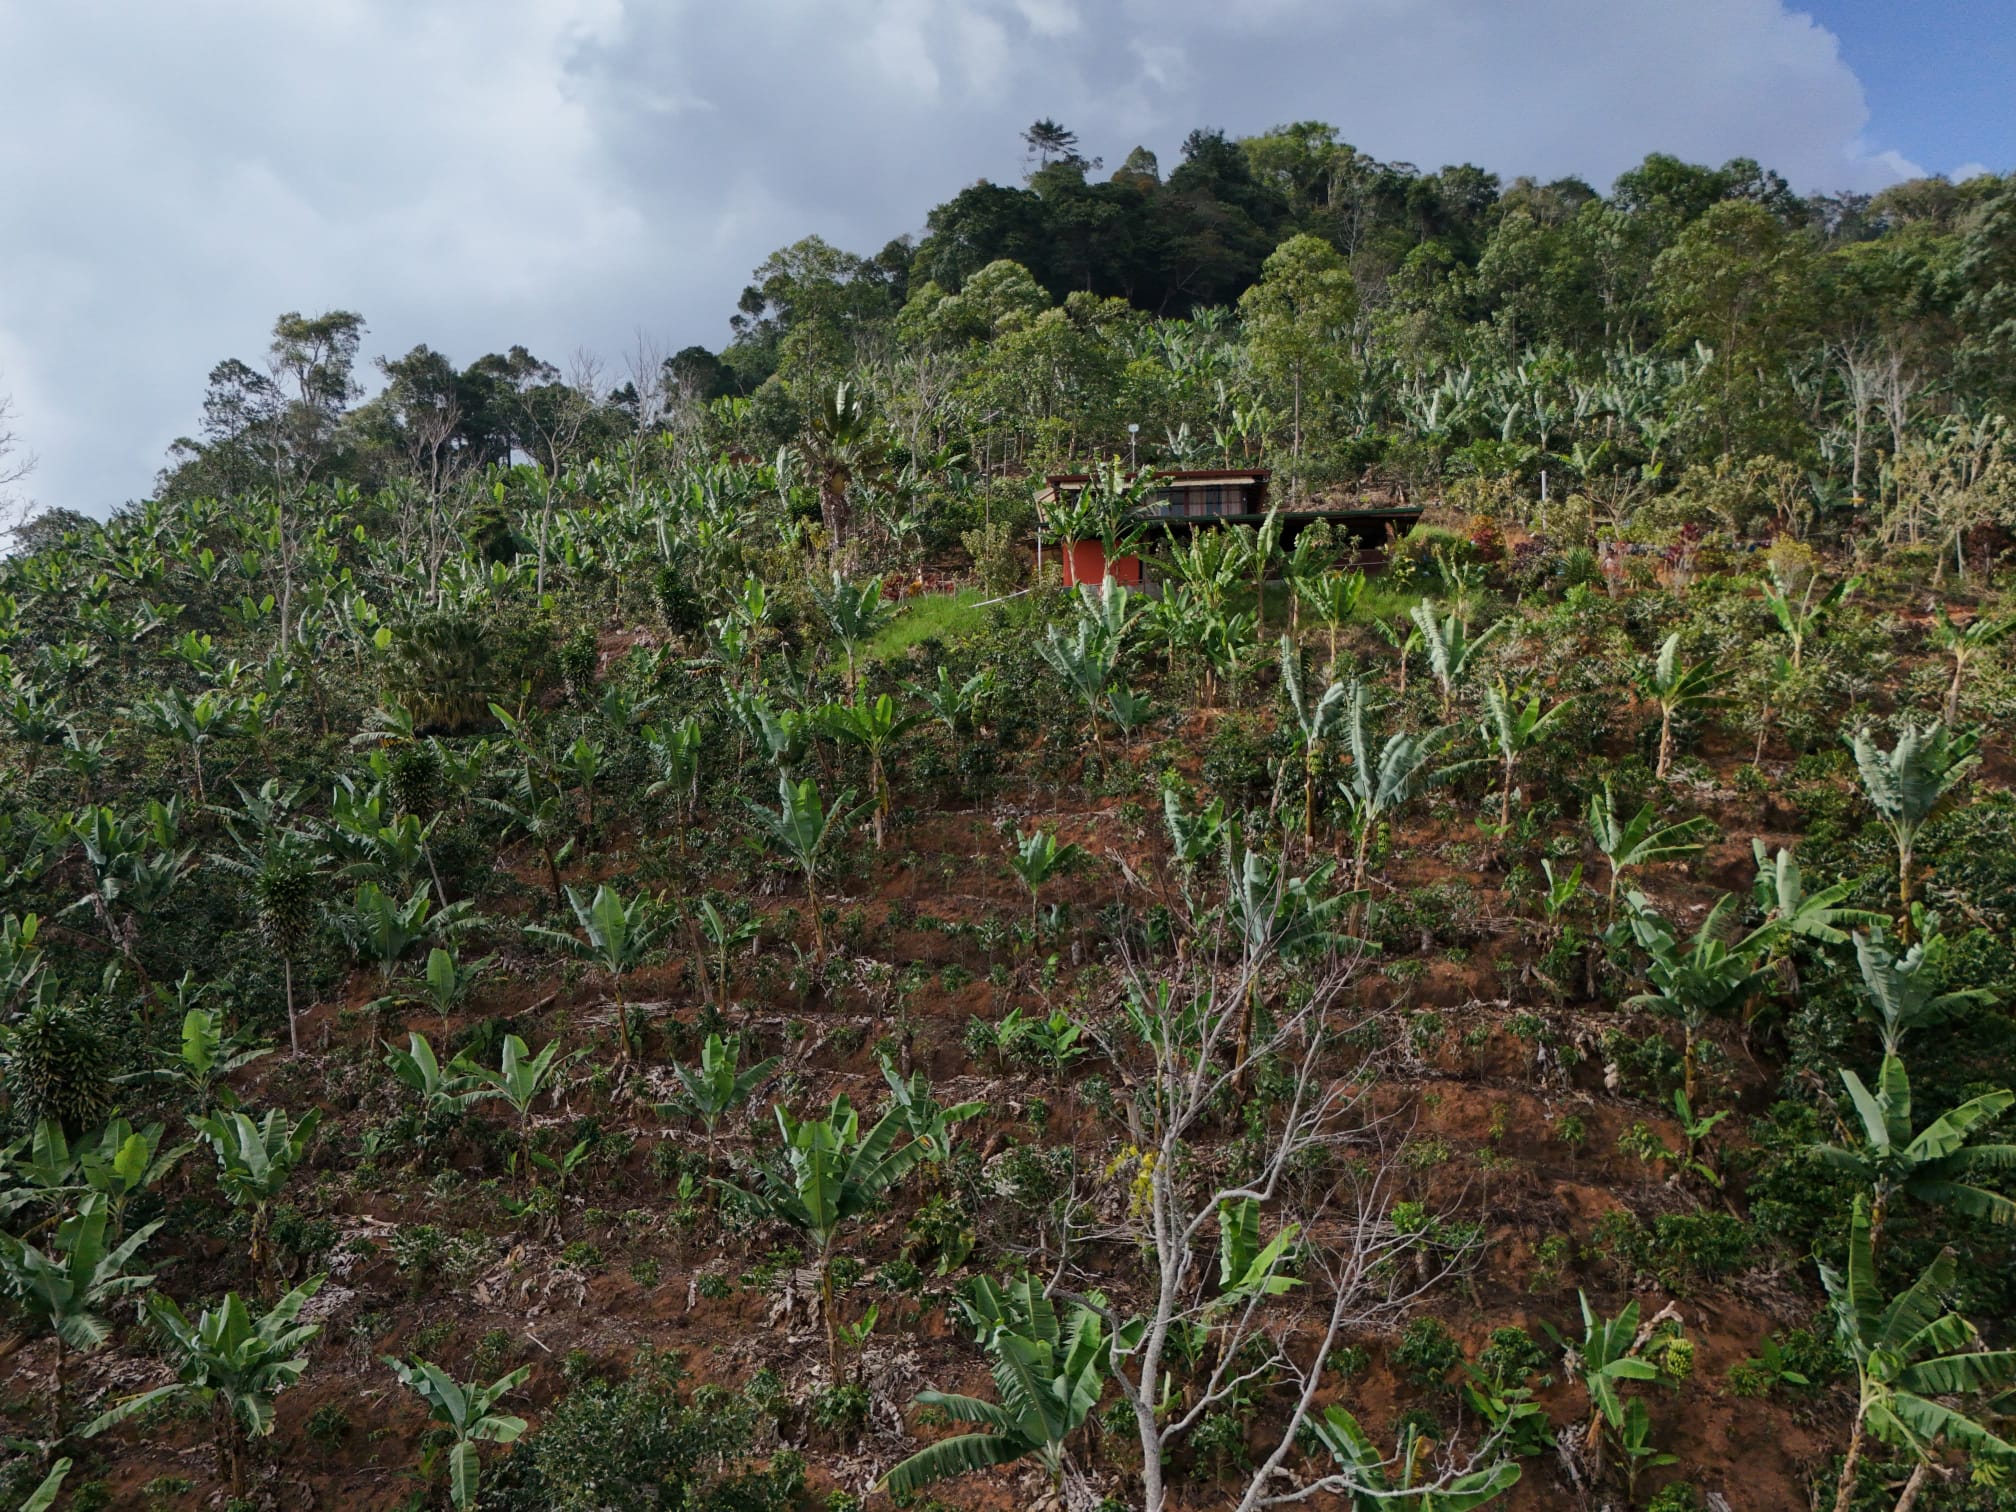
x=16, y=463
x=644, y=365
x=1357, y=1273
x=553, y=427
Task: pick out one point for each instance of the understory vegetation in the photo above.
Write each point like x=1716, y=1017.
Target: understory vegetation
x=576, y=947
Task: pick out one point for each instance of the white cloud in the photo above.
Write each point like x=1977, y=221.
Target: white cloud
x=472, y=173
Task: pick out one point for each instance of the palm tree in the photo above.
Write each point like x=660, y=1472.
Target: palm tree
x=462, y=1408
x=1909, y=1355
x=232, y=1363
x=616, y=936
x=254, y=1162
x=1935, y=1165
x=68, y=1287
x=829, y=1175
x=1911, y=785
x=1672, y=688
x=803, y=828
x=1049, y=1377
x=1963, y=643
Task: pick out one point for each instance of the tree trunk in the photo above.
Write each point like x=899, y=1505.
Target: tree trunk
x=293, y=1031
x=62, y=1402
x=826, y=1308
x=1951, y=713
x=818, y=927
x=1844, y=1493
x=1665, y=742
x=1911, y=1487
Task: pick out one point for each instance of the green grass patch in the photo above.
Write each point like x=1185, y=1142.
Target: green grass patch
x=939, y=616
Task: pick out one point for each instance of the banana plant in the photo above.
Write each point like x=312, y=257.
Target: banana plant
x=520, y=1080
x=1800, y=611
x=1379, y=785
x=876, y=727
x=1938, y=1164
x=254, y=1162
x=442, y=1093
x=1604, y=1358
x=68, y=1288
x=43, y=1497
x=41, y=1170
x=384, y=931
x=855, y=614
x=463, y=1409
x=675, y=755
x=124, y=1162
x=1314, y=724
x=1085, y=660
x=1673, y=688
x=194, y=722
x=829, y=1173
x=1247, y=1269
x=205, y=1056
x=724, y=933
x=1333, y=598
x=1912, y=784
x=1374, y=1482
x=1405, y=639
x=1897, y=990
x=1036, y=859
x=1705, y=976
x=446, y=981
x=1913, y=1362
x=804, y=828
x=955, y=704
x=1641, y=840
x=1513, y=724
x=717, y=1086
x=1049, y=1375
x=230, y=1362
x=925, y=1119
x=616, y=936
x=1451, y=647
x=545, y=821
x=1963, y=643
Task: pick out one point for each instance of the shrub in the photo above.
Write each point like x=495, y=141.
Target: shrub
x=1426, y=1352
x=640, y=1445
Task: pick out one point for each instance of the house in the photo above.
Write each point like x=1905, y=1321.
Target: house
x=1198, y=499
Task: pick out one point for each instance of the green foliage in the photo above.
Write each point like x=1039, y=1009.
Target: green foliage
x=641, y=1444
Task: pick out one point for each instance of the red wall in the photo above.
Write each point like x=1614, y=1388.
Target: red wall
x=1085, y=563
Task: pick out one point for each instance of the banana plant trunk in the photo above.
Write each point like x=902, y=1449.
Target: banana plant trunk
x=1844, y=1492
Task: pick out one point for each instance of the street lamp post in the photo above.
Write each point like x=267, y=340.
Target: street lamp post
x=1133, y=430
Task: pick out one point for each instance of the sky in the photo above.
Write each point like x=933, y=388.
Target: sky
x=577, y=174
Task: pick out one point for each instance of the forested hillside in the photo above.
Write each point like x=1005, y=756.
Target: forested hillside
x=596, y=938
